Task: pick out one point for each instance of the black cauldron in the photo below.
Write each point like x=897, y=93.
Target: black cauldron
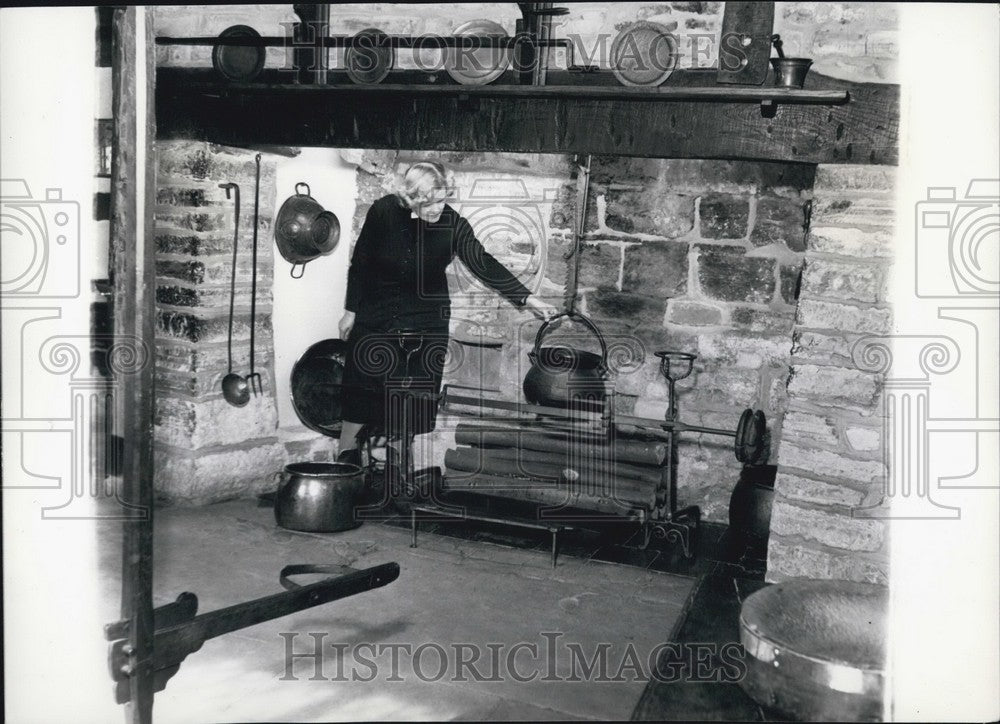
x=564, y=377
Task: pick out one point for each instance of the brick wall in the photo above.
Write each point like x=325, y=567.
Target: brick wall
x=830, y=463
x=207, y=449
x=851, y=40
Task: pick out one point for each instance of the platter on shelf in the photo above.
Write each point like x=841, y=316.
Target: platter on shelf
x=643, y=54
x=239, y=63
x=481, y=66
x=370, y=57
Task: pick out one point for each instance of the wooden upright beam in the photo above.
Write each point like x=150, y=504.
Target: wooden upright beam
x=133, y=187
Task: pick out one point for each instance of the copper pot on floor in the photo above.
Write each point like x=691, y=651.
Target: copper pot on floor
x=319, y=497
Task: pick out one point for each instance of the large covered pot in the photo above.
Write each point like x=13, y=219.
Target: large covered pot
x=562, y=376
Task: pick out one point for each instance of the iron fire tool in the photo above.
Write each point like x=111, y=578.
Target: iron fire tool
x=572, y=255
x=179, y=632
x=254, y=378
x=750, y=438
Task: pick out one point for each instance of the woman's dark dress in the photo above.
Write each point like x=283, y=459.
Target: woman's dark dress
x=397, y=283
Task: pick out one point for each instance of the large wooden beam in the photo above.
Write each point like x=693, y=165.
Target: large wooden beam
x=133, y=182
x=862, y=130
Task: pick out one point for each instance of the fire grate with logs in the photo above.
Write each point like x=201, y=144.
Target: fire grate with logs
x=580, y=464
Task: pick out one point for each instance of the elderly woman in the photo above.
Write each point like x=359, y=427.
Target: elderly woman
x=398, y=309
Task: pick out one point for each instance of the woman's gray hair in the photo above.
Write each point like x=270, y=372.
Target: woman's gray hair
x=413, y=186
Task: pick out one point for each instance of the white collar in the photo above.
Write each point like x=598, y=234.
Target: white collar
x=413, y=214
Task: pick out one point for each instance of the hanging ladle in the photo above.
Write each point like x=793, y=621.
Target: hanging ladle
x=235, y=389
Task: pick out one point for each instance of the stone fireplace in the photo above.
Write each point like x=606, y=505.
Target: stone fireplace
x=770, y=272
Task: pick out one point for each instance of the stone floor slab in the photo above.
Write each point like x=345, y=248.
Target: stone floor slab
x=479, y=631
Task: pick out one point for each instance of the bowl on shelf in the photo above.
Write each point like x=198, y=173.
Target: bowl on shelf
x=790, y=72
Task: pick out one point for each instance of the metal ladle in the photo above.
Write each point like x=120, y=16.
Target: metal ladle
x=235, y=389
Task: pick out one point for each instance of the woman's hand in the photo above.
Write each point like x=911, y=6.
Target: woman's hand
x=541, y=309
x=345, y=324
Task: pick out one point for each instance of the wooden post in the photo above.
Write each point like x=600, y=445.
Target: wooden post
x=311, y=63
x=745, y=42
x=133, y=183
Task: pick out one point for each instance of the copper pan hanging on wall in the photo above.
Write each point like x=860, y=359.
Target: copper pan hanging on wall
x=304, y=230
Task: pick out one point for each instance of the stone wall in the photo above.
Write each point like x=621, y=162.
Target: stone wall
x=701, y=257
x=205, y=448
x=856, y=41
x=830, y=463
x=851, y=40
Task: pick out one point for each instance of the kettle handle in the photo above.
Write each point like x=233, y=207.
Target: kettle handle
x=308, y=190
x=587, y=323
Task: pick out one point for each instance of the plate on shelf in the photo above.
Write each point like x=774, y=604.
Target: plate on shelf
x=483, y=65
x=371, y=60
x=643, y=54
x=240, y=63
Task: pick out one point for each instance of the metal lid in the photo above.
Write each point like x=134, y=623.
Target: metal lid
x=316, y=386
x=833, y=632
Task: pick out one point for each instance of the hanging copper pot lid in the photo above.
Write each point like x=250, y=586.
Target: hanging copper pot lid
x=316, y=381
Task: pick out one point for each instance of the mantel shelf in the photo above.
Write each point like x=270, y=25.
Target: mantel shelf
x=689, y=116
x=718, y=94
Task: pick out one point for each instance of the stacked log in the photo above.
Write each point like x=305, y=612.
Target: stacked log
x=557, y=467
x=620, y=448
